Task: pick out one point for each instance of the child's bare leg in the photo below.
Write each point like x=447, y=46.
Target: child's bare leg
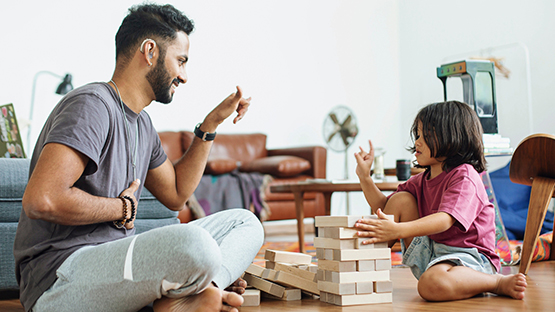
x=212, y=299
x=445, y=281
x=403, y=207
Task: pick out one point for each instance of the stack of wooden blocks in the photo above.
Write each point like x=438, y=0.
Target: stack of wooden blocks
x=285, y=277
x=350, y=273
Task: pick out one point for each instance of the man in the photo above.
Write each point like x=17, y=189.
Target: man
x=75, y=246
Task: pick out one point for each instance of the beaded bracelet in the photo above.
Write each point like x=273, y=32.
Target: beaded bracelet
x=133, y=208
x=121, y=223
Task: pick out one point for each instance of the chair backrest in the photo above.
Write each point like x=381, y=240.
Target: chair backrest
x=534, y=157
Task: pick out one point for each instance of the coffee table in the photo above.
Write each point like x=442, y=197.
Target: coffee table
x=326, y=188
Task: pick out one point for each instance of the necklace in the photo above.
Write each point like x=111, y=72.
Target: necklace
x=132, y=157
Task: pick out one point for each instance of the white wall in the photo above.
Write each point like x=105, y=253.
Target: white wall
x=297, y=59
x=435, y=32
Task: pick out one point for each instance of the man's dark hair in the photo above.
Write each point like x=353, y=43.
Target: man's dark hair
x=158, y=22
x=451, y=130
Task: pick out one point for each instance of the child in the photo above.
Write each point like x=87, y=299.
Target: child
x=442, y=216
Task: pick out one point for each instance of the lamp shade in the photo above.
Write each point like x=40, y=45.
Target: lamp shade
x=65, y=86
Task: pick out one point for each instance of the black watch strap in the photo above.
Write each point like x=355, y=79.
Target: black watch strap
x=205, y=136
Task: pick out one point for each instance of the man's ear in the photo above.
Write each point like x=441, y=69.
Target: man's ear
x=147, y=48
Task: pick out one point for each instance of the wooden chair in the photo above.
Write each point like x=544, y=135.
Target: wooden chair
x=533, y=164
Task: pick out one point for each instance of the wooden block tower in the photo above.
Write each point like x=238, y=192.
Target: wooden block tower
x=350, y=273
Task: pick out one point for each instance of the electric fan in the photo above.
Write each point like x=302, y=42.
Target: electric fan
x=340, y=130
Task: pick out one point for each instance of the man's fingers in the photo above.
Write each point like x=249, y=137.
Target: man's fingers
x=135, y=185
x=239, y=93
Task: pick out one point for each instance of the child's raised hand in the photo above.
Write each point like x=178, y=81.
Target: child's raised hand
x=364, y=161
x=377, y=230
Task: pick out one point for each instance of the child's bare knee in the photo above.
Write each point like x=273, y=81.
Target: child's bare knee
x=402, y=198
x=403, y=205
x=434, y=287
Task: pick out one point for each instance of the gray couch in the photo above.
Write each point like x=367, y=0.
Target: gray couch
x=14, y=174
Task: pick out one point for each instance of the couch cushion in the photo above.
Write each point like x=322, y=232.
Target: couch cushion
x=172, y=145
x=7, y=261
x=14, y=174
x=280, y=166
x=240, y=147
x=220, y=166
x=151, y=208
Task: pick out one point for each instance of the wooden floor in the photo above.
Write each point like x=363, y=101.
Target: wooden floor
x=540, y=296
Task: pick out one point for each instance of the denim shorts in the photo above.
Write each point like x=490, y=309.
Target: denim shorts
x=423, y=253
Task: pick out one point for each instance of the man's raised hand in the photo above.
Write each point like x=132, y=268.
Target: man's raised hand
x=233, y=103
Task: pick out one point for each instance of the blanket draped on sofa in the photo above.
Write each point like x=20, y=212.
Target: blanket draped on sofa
x=232, y=190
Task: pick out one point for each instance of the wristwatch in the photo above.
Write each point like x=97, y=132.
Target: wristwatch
x=205, y=136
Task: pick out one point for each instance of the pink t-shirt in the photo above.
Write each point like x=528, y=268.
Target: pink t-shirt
x=460, y=193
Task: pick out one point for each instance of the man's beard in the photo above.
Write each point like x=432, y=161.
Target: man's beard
x=161, y=82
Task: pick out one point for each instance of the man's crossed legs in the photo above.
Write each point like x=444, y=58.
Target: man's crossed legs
x=176, y=261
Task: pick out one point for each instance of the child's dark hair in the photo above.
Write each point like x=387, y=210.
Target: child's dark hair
x=451, y=130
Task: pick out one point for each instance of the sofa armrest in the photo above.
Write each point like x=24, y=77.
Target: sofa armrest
x=316, y=155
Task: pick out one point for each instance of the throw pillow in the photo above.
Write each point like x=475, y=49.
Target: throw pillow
x=220, y=166
x=280, y=166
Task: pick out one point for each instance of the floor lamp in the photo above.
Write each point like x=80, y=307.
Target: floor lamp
x=64, y=87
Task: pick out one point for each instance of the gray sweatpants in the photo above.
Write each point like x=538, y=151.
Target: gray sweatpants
x=173, y=261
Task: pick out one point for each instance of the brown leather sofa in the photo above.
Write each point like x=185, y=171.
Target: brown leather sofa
x=248, y=153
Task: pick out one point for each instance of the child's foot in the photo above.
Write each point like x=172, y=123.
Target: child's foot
x=511, y=285
x=211, y=299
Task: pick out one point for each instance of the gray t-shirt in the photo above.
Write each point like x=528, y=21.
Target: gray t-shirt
x=90, y=120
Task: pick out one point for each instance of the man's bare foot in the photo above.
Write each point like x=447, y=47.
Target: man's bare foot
x=238, y=286
x=212, y=299
x=511, y=285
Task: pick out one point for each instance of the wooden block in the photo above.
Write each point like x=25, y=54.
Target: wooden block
x=323, y=296
x=287, y=256
x=338, y=232
x=251, y=298
x=353, y=277
x=328, y=254
x=264, y=285
x=381, y=245
x=366, y=265
x=337, y=266
x=292, y=280
x=338, y=289
x=361, y=254
x=320, y=253
x=313, y=268
x=327, y=276
x=359, y=245
x=296, y=271
x=290, y=294
x=255, y=270
x=374, y=298
x=383, y=264
x=332, y=298
x=364, y=287
x=322, y=242
x=336, y=221
x=320, y=275
x=383, y=286
x=322, y=231
x=390, y=217
x=269, y=274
